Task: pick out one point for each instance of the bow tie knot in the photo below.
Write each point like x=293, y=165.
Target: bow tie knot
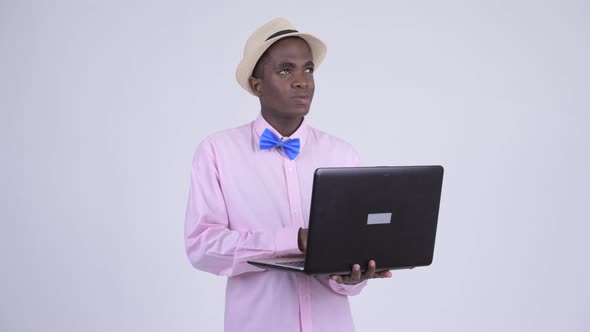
x=268, y=140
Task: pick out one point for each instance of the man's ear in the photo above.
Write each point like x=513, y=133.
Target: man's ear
x=255, y=85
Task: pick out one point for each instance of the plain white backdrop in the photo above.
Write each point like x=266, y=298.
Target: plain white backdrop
x=103, y=103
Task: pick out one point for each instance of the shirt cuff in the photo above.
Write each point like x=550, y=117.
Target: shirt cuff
x=344, y=289
x=286, y=241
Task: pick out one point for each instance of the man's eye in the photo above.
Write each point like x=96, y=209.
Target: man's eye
x=284, y=71
x=309, y=70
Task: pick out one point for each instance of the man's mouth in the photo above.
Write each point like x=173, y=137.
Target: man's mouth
x=304, y=99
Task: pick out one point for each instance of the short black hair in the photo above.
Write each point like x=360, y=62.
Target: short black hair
x=258, y=71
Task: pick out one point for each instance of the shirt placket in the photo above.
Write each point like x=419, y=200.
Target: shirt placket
x=303, y=285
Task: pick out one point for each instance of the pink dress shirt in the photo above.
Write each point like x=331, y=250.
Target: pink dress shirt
x=248, y=203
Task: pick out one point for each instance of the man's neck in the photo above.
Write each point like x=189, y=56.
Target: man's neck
x=285, y=126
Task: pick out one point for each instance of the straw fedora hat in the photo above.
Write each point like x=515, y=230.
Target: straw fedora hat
x=264, y=37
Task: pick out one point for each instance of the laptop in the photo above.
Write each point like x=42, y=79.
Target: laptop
x=388, y=214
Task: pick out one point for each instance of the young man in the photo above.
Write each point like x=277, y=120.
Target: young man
x=251, y=192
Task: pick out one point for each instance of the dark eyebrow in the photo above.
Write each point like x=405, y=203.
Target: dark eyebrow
x=285, y=65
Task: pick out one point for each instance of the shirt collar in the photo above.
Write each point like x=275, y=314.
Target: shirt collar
x=260, y=124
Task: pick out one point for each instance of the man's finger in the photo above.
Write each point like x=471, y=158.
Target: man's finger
x=302, y=239
x=370, y=273
x=337, y=278
x=355, y=276
x=383, y=274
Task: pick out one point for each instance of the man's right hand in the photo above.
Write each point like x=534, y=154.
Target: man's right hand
x=355, y=275
x=302, y=239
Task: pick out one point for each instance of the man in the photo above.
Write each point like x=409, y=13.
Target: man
x=251, y=192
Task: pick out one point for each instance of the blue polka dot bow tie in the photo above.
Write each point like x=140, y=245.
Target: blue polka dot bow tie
x=269, y=140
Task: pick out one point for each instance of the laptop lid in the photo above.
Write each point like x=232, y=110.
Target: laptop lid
x=388, y=214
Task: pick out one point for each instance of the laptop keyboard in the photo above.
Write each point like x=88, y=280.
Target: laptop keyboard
x=295, y=263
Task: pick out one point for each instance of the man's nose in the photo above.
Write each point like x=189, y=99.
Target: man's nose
x=301, y=82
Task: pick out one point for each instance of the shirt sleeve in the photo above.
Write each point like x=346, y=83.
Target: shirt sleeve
x=209, y=243
x=344, y=289
x=355, y=160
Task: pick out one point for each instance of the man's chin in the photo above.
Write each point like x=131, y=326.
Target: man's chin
x=294, y=113
x=300, y=111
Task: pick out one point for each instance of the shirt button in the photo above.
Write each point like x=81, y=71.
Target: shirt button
x=290, y=169
x=296, y=211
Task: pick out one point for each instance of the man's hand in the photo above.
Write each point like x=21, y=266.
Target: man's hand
x=302, y=239
x=356, y=276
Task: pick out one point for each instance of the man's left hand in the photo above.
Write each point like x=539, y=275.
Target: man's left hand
x=356, y=276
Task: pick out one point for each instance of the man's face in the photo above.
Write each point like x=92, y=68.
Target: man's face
x=286, y=87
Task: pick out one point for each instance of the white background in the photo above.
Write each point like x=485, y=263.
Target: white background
x=103, y=103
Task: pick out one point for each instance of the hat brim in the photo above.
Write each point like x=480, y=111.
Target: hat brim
x=246, y=66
